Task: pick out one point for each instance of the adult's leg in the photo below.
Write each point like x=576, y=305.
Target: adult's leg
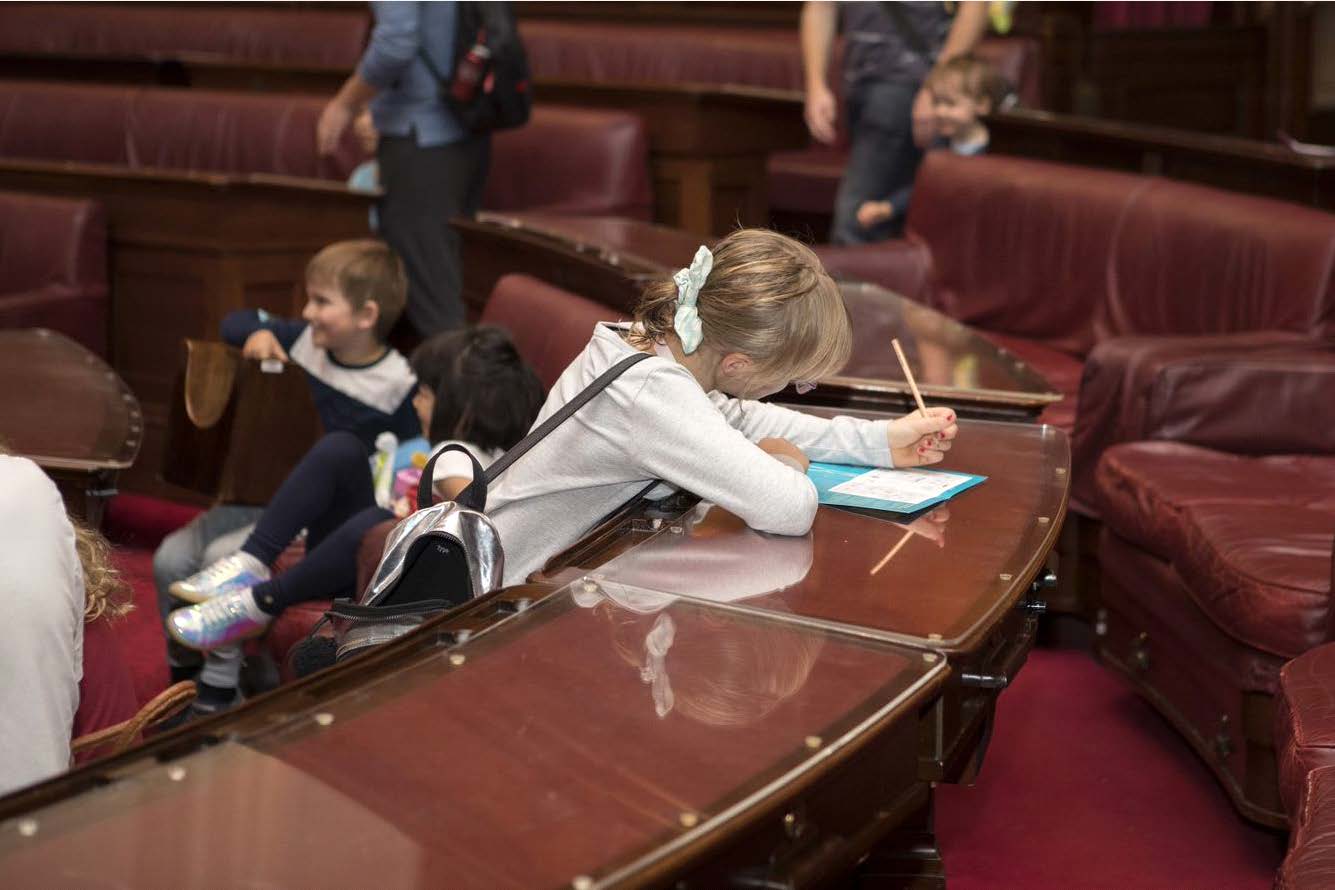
x=424, y=189
x=328, y=571
x=331, y=483
x=881, y=159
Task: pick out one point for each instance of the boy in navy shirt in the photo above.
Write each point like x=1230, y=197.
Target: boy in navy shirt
x=355, y=292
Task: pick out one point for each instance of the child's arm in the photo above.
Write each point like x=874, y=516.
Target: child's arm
x=848, y=440
x=261, y=335
x=681, y=438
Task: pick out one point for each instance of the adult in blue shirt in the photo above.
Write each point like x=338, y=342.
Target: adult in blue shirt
x=431, y=169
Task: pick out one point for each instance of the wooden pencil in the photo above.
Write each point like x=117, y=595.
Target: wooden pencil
x=908, y=375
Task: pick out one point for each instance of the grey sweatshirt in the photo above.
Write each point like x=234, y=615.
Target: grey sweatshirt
x=655, y=422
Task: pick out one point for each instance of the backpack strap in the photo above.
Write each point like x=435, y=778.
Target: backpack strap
x=426, y=485
x=474, y=497
x=563, y=414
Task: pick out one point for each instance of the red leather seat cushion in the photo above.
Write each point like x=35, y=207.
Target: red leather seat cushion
x=535, y=168
x=53, y=266
x=1061, y=370
x=1020, y=247
x=307, y=36
x=550, y=326
x=1252, y=537
x=63, y=122
x=1310, y=864
x=187, y=130
x=806, y=180
x=1305, y=722
x=604, y=52
x=1149, y=591
x=1188, y=259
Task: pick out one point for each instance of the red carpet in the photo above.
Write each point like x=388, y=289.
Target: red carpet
x=135, y=525
x=1084, y=786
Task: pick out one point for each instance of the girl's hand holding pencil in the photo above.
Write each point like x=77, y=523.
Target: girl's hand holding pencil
x=922, y=437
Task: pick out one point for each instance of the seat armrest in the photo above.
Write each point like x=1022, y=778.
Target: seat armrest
x=1257, y=393
x=904, y=265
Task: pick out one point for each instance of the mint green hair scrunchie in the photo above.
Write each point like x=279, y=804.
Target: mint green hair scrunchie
x=686, y=321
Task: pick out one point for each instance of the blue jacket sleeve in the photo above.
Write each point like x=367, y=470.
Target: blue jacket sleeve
x=239, y=325
x=395, y=40
x=404, y=422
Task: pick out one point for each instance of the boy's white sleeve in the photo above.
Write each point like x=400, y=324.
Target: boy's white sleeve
x=847, y=440
x=680, y=437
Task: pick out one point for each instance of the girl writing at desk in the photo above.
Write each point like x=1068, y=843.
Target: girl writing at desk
x=740, y=323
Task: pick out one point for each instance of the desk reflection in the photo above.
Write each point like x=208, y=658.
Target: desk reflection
x=707, y=665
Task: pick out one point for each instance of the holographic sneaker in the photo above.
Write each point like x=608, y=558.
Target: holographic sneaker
x=225, y=619
x=240, y=570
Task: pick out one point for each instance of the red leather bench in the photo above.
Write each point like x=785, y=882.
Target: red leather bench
x=1305, y=739
x=550, y=327
x=1126, y=289
x=572, y=161
x=803, y=183
x=266, y=133
x=53, y=267
x=1216, y=570
x=237, y=32
x=166, y=129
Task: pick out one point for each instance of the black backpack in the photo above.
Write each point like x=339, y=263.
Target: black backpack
x=490, y=87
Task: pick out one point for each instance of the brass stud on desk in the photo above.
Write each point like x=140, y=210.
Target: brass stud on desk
x=324, y=718
x=582, y=882
x=813, y=742
x=28, y=827
x=457, y=658
x=1006, y=576
x=176, y=773
x=688, y=820
x=929, y=657
x=1061, y=471
x=1043, y=520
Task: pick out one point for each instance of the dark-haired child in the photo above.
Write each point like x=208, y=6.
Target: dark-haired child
x=473, y=389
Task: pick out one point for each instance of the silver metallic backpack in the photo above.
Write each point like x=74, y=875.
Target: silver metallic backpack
x=444, y=554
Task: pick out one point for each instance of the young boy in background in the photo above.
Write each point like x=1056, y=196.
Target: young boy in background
x=964, y=90
x=355, y=292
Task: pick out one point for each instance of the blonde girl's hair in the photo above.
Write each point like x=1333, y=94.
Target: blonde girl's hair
x=105, y=592
x=767, y=297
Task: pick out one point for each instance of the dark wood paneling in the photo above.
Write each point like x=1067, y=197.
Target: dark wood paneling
x=1242, y=165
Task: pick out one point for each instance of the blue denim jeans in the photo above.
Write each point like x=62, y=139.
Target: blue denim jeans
x=882, y=158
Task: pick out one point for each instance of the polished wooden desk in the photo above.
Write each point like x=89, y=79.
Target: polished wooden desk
x=61, y=406
x=699, y=704
x=532, y=754
x=609, y=259
x=960, y=584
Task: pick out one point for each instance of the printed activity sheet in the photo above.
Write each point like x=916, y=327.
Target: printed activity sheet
x=895, y=491
x=904, y=486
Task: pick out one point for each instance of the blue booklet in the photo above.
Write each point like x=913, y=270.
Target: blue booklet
x=895, y=491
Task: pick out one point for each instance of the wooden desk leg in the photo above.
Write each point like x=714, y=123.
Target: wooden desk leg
x=909, y=857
